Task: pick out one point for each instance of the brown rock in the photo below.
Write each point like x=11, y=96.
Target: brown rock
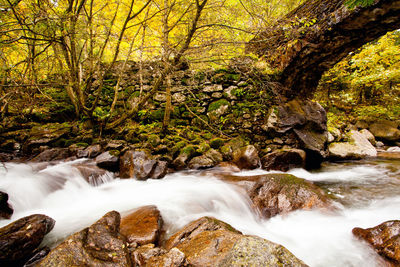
x=5, y=209
x=142, y=254
x=274, y=194
x=108, y=161
x=284, y=159
x=20, y=239
x=385, y=130
x=92, y=174
x=160, y=170
x=194, y=228
x=137, y=164
x=90, y=152
x=246, y=158
x=52, y=154
x=98, y=245
x=143, y=226
x=384, y=238
x=174, y=258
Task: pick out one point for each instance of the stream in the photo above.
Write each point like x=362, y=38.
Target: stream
x=367, y=193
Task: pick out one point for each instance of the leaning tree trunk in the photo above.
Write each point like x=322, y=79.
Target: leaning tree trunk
x=318, y=34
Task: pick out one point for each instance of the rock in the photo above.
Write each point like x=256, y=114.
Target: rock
x=143, y=226
x=210, y=242
x=361, y=124
x=52, y=155
x=284, y=159
x=4, y=157
x=137, y=164
x=393, y=149
x=379, y=144
x=246, y=157
x=218, y=108
x=214, y=155
x=201, y=162
x=195, y=228
x=230, y=92
x=90, y=152
x=142, y=254
x=274, y=194
x=174, y=258
x=385, y=131
x=115, y=145
x=384, y=238
x=184, y=156
x=46, y=134
x=357, y=147
x=160, y=170
x=389, y=155
x=37, y=257
x=295, y=115
x=314, y=143
x=92, y=174
x=108, y=161
x=20, y=239
x=213, y=88
x=178, y=98
x=256, y=251
x=5, y=209
x=98, y=245
x=331, y=138
x=370, y=137
x=336, y=133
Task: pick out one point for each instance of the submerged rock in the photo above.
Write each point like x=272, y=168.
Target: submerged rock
x=143, y=226
x=284, y=160
x=20, y=239
x=357, y=147
x=384, y=238
x=246, y=158
x=210, y=242
x=274, y=194
x=5, y=209
x=98, y=245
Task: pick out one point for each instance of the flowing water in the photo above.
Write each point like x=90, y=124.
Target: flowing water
x=367, y=193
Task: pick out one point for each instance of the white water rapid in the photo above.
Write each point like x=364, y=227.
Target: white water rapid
x=368, y=194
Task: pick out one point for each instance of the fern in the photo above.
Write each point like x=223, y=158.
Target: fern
x=355, y=3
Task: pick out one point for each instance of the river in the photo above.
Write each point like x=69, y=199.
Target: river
x=367, y=193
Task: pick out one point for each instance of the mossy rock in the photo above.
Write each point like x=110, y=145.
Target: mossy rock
x=154, y=140
x=203, y=147
x=207, y=136
x=216, y=143
x=157, y=115
x=218, y=104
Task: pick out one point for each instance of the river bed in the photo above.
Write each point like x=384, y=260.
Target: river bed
x=367, y=193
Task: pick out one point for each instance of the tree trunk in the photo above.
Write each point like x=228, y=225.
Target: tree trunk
x=316, y=35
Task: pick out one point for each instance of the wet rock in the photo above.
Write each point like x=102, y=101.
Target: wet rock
x=315, y=144
x=37, y=257
x=143, y=226
x=98, y=245
x=52, y=155
x=210, y=242
x=357, y=147
x=284, y=159
x=194, y=228
x=246, y=158
x=384, y=238
x=137, y=164
x=395, y=149
x=184, y=156
x=385, y=131
x=379, y=144
x=4, y=157
x=92, y=174
x=160, y=170
x=201, y=162
x=256, y=251
x=274, y=194
x=5, y=209
x=90, y=152
x=173, y=258
x=108, y=161
x=142, y=254
x=20, y=239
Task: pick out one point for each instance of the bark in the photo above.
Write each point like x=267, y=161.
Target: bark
x=316, y=35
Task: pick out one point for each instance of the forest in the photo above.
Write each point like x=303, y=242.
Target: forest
x=199, y=132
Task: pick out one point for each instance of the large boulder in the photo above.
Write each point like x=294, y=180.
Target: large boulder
x=307, y=121
x=284, y=159
x=246, y=158
x=108, y=160
x=385, y=131
x=19, y=240
x=256, y=251
x=210, y=159
x=52, y=155
x=356, y=147
x=384, y=238
x=140, y=165
x=274, y=194
x=5, y=209
x=98, y=245
x=210, y=242
x=143, y=226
